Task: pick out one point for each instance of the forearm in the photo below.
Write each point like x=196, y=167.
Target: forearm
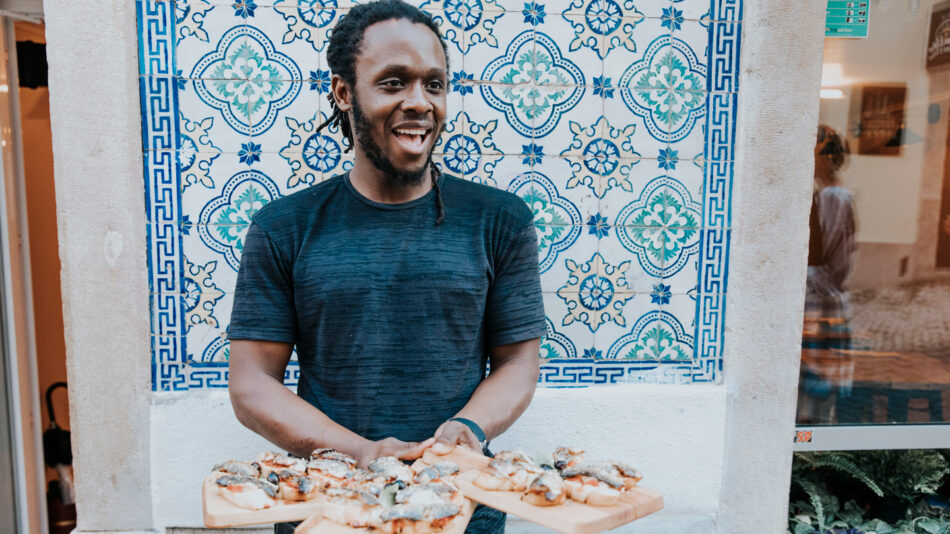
x=264, y=405
x=505, y=394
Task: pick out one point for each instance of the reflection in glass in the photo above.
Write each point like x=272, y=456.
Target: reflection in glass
x=827, y=368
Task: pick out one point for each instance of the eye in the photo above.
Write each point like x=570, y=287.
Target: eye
x=392, y=82
x=435, y=85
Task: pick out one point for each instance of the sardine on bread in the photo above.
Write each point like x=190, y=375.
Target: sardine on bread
x=246, y=492
x=507, y=471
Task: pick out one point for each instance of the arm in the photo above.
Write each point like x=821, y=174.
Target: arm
x=264, y=405
x=499, y=400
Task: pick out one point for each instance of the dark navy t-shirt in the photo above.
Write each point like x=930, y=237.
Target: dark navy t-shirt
x=392, y=316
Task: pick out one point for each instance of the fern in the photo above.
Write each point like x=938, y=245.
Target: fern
x=811, y=489
x=838, y=461
x=843, y=464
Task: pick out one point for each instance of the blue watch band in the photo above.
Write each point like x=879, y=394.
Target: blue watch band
x=477, y=430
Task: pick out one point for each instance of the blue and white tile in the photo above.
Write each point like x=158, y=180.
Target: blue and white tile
x=723, y=10
x=694, y=36
x=721, y=126
x=466, y=147
x=268, y=105
x=205, y=305
x=496, y=40
x=209, y=271
x=554, y=108
x=560, y=172
x=575, y=130
x=633, y=176
x=607, y=335
x=643, y=32
x=683, y=309
x=269, y=124
x=638, y=279
x=577, y=331
x=193, y=111
x=300, y=39
x=649, y=136
x=691, y=175
x=566, y=45
x=197, y=341
x=200, y=28
x=723, y=60
x=500, y=172
x=514, y=128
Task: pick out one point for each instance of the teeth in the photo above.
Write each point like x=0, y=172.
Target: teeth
x=410, y=132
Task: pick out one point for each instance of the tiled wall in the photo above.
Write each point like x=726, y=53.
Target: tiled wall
x=613, y=119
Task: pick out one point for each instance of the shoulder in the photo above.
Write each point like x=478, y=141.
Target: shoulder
x=835, y=196
x=290, y=211
x=492, y=202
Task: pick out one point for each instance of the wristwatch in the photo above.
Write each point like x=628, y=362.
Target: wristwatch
x=477, y=430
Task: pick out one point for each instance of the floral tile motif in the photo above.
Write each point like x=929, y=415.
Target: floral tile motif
x=466, y=148
x=557, y=220
x=223, y=222
x=574, y=339
x=199, y=25
x=666, y=89
x=309, y=21
x=661, y=227
x=602, y=156
x=613, y=120
x=643, y=31
x=526, y=64
x=243, y=79
x=482, y=47
x=196, y=152
x=603, y=24
x=656, y=336
x=314, y=156
x=200, y=294
x=594, y=292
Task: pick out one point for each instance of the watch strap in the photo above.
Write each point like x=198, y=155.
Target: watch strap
x=473, y=426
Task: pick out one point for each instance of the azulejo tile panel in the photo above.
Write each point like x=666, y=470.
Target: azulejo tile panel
x=614, y=121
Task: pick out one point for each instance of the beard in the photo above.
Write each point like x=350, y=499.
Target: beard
x=395, y=177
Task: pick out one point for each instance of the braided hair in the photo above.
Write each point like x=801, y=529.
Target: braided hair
x=346, y=39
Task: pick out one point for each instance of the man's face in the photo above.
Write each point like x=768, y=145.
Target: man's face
x=399, y=100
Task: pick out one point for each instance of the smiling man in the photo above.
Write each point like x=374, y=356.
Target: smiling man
x=396, y=284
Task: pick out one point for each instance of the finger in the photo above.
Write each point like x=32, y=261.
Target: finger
x=446, y=441
x=469, y=440
x=415, y=450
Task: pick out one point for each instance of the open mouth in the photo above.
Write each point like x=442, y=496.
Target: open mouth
x=412, y=139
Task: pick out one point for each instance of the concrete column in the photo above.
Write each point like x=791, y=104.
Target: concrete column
x=778, y=114
x=94, y=107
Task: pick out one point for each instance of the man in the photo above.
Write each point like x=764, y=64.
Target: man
x=395, y=283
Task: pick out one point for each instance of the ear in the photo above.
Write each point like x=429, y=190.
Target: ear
x=342, y=93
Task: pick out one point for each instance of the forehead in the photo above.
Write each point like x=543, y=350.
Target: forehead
x=400, y=43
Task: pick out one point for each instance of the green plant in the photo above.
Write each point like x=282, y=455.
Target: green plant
x=809, y=471
x=904, y=476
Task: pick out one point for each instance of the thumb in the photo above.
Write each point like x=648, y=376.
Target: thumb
x=443, y=444
x=414, y=450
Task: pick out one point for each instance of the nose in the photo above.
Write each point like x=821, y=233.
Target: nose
x=417, y=99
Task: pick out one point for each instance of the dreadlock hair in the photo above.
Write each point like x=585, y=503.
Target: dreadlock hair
x=346, y=39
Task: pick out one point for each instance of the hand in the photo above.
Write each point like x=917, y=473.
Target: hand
x=404, y=450
x=452, y=433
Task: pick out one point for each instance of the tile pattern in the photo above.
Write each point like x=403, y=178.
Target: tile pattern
x=614, y=120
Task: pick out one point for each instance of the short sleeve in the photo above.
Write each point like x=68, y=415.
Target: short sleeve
x=263, y=297
x=515, y=309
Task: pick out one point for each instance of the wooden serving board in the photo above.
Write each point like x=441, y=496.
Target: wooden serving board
x=571, y=517
x=222, y=513
x=318, y=525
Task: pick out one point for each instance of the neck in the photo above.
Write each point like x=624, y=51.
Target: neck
x=376, y=186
